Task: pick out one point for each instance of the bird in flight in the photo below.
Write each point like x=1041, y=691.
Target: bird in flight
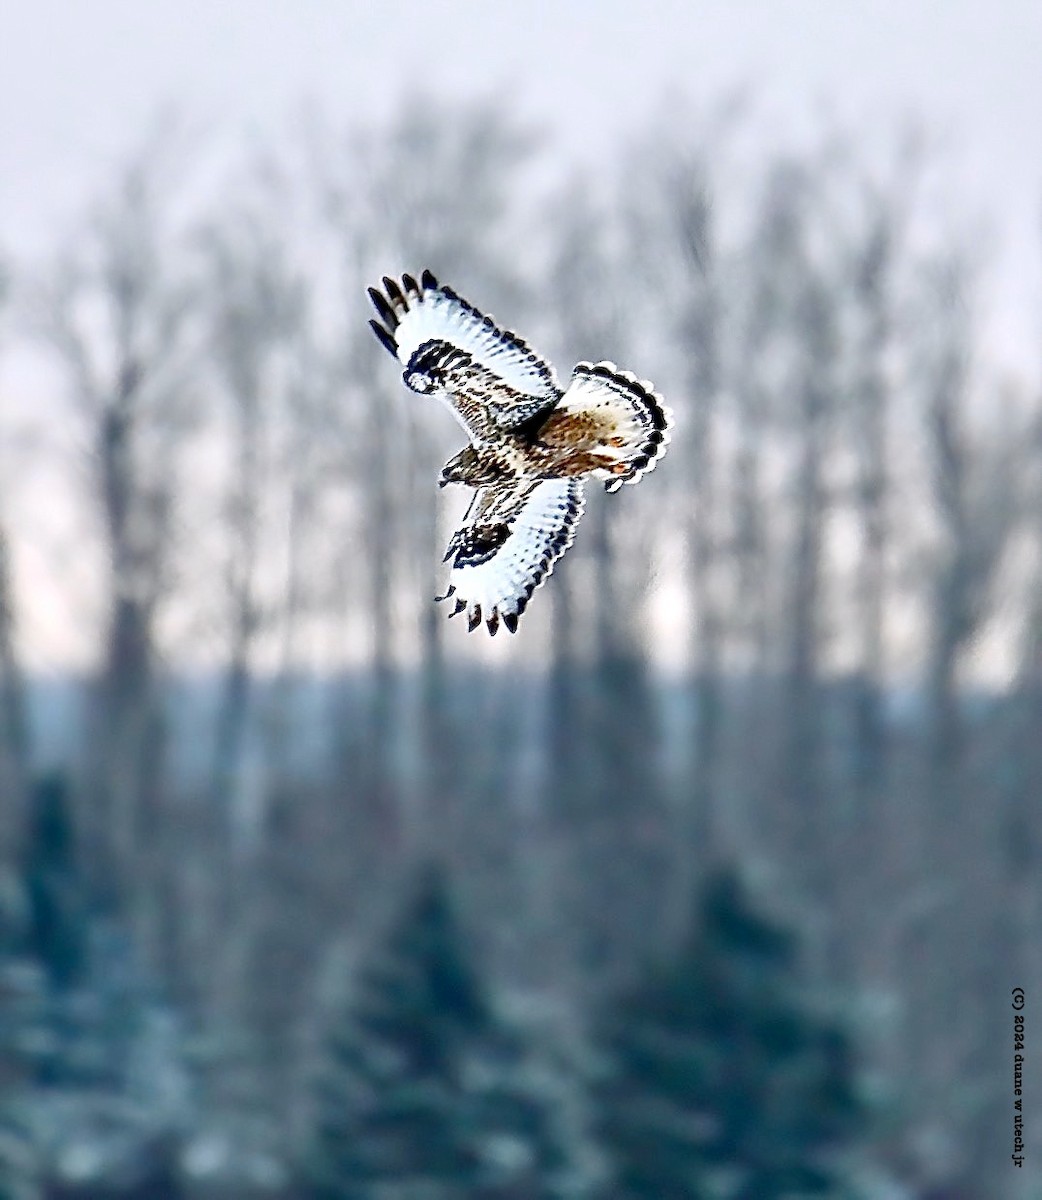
x=531, y=444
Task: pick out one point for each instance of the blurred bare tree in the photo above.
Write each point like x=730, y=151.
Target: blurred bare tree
x=14, y=727
x=14, y=717
x=117, y=314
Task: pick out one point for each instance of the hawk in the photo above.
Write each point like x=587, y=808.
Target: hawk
x=531, y=444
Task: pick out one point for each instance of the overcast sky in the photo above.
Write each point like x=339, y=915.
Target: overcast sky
x=78, y=82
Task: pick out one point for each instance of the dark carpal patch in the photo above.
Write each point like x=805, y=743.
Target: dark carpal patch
x=478, y=543
x=434, y=357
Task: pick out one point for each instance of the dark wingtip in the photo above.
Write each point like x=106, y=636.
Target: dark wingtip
x=383, y=309
x=428, y=281
x=394, y=291
x=493, y=623
x=510, y=621
x=385, y=338
x=410, y=285
x=474, y=620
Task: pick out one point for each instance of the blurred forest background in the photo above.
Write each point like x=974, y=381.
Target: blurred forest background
x=712, y=882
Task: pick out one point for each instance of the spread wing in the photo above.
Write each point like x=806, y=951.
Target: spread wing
x=489, y=377
x=508, y=544
x=619, y=418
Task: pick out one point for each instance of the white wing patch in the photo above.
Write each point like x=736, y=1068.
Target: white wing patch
x=414, y=315
x=508, y=545
x=636, y=419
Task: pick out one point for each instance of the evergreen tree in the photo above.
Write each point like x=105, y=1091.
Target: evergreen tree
x=17, y=1163
x=424, y=1091
x=21, y=1016
x=58, y=910
x=89, y=1058
x=719, y=1078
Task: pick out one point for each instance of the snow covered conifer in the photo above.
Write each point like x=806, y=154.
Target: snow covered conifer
x=720, y=1078
x=423, y=1091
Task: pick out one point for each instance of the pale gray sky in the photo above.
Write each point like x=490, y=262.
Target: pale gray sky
x=78, y=82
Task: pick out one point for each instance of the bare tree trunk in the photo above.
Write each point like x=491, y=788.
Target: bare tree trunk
x=439, y=751
x=14, y=723
x=954, y=585
x=256, y=311
x=749, y=545
x=116, y=312
x=873, y=489
x=383, y=525
x=309, y=394
x=700, y=338
x=749, y=616
x=867, y=818
x=128, y=749
x=14, y=718
x=803, y=785
x=230, y=724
